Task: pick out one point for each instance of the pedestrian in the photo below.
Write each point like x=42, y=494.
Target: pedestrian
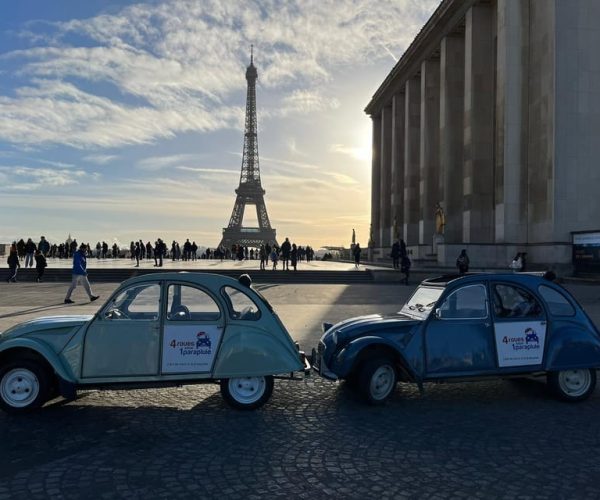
x=30, y=249
x=462, y=262
x=98, y=250
x=286, y=248
x=517, y=263
x=274, y=258
x=405, y=267
x=267, y=253
x=294, y=256
x=262, y=253
x=80, y=275
x=136, y=253
x=357, y=250
x=395, y=255
x=44, y=246
x=13, y=264
x=40, y=265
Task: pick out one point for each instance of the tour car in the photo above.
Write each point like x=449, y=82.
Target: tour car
x=470, y=327
x=155, y=330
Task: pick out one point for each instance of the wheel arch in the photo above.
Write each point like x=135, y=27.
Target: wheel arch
x=34, y=351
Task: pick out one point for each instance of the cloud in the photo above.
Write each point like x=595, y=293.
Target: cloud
x=21, y=178
x=358, y=153
x=177, y=66
x=100, y=159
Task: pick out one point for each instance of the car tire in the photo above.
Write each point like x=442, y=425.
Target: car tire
x=377, y=380
x=572, y=385
x=24, y=386
x=247, y=393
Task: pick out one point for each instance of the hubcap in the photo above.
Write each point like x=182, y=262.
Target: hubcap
x=247, y=390
x=382, y=382
x=19, y=387
x=575, y=382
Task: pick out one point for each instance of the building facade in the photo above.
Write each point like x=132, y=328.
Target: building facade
x=493, y=113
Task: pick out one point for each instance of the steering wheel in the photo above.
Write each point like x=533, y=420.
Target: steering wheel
x=180, y=313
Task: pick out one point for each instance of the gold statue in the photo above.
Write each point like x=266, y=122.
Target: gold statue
x=440, y=219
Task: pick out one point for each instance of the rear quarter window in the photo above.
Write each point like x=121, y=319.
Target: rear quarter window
x=557, y=303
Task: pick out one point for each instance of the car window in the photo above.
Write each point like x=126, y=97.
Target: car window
x=422, y=301
x=187, y=303
x=241, y=306
x=514, y=302
x=468, y=302
x=139, y=302
x=556, y=302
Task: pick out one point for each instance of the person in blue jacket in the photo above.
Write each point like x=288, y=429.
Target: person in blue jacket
x=80, y=275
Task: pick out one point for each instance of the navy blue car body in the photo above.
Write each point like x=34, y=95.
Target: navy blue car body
x=468, y=327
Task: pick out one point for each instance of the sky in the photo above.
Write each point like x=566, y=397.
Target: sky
x=124, y=120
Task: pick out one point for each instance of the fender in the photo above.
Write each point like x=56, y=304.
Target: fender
x=43, y=350
x=252, y=351
x=571, y=347
x=343, y=361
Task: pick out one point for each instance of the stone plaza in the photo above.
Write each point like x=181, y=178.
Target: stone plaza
x=315, y=439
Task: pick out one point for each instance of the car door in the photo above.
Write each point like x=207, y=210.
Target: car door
x=459, y=335
x=519, y=327
x=193, y=329
x=124, y=338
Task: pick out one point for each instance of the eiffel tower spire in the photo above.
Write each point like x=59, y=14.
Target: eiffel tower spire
x=250, y=190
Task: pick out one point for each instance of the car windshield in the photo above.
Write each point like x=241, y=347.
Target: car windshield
x=422, y=301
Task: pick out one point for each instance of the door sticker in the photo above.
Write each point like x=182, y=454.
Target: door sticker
x=520, y=343
x=189, y=348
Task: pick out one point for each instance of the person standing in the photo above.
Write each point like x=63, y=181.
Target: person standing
x=405, y=264
x=80, y=275
x=357, y=251
x=286, y=248
x=40, y=265
x=294, y=256
x=462, y=262
x=396, y=254
x=44, y=246
x=13, y=264
x=30, y=249
x=262, y=254
x=136, y=253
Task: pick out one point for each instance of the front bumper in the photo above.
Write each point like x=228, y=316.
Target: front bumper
x=318, y=364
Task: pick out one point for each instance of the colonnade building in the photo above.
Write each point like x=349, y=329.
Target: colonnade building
x=493, y=112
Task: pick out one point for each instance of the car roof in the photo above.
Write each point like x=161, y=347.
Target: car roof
x=530, y=279
x=210, y=280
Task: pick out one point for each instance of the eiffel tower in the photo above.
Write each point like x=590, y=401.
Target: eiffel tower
x=250, y=191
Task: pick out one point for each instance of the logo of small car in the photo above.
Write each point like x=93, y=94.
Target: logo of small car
x=531, y=336
x=202, y=340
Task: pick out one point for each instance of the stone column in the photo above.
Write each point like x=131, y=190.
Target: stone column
x=511, y=121
x=429, y=149
x=376, y=180
x=398, y=136
x=386, y=177
x=452, y=89
x=412, y=134
x=478, y=215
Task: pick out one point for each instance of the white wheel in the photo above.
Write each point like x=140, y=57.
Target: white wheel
x=378, y=380
x=573, y=385
x=23, y=386
x=19, y=387
x=247, y=393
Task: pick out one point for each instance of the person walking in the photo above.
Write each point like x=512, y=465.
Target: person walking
x=13, y=264
x=462, y=262
x=357, y=250
x=262, y=254
x=40, y=265
x=80, y=275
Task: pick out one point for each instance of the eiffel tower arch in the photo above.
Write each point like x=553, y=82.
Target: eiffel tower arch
x=250, y=191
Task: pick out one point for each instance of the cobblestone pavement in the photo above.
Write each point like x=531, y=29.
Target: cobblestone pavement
x=314, y=439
